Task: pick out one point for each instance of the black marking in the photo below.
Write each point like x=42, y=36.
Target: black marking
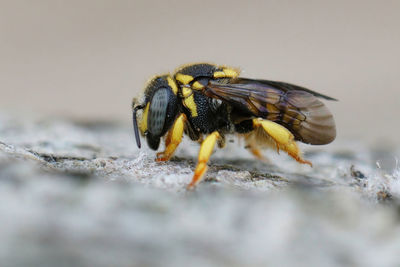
x=209, y=118
x=203, y=80
x=199, y=71
x=244, y=126
x=154, y=85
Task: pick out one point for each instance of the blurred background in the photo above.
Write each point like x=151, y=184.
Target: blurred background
x=87, y=59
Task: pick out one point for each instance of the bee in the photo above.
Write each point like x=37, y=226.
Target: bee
x=208, y=102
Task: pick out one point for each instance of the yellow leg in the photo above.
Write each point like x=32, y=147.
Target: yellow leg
x=257, y=153
x=204, y=155
x=174, y=137
x=283, y=138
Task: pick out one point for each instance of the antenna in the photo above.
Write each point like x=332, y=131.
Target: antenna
x=135, y=125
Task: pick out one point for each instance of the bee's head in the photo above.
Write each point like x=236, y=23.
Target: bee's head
x=160, y=108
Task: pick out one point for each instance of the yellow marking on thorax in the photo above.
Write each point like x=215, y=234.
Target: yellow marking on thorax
x=183, y=78
x=188, y=101
x=231, y=73
x=143, y=120
x=172, y=84
x=186, y=92
x=226, y=73
x=197, y=86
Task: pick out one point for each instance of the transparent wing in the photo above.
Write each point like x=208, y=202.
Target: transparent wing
x=295, y=107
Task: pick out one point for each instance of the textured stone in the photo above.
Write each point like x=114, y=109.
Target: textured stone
x=81, y=194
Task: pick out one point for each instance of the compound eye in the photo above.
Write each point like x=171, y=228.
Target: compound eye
x=158, y=111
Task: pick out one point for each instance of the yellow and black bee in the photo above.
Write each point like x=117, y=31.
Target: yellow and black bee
x=207, y=102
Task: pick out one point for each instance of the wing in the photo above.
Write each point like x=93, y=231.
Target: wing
x=295, y=107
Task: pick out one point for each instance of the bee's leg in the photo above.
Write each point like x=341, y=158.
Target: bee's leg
x=283, y=138
x=174, y=137
x=206, y=149
x=257, y=153
x=221, y=142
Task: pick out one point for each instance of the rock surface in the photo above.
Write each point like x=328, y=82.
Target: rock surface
x=81, y=194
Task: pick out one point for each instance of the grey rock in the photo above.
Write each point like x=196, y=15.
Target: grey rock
x=81, y=194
